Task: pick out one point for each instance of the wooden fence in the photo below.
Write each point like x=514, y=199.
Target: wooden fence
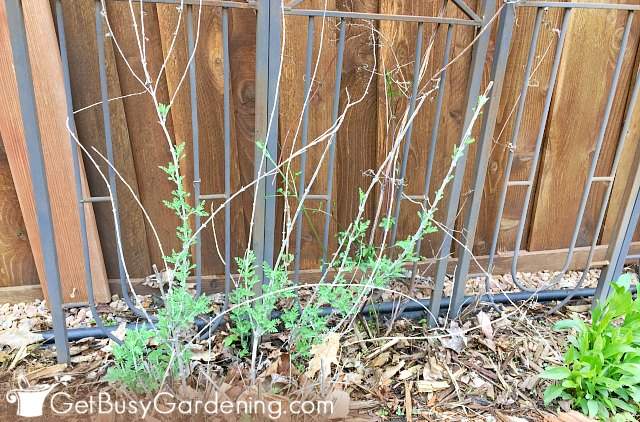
x=363, y=139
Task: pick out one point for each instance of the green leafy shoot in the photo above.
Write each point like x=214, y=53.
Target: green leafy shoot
x=148, y=356
x=600, y=374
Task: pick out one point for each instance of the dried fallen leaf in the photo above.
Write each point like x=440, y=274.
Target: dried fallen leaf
x=433, y=370
x=502, y=417
x=390, y=373
x=485, y=325
x=20, y=354
x=408, y=373
x=16, y=338
x=46, y=372
x=324, y=354
x=203, y=355
x=82, y=358
x=456, y=339
x=425, y=386
x=380, y=360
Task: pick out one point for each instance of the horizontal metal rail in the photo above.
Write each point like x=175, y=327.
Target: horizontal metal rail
x=379, y=16
x=574, y=5
x=219, y=3
x=415, y=310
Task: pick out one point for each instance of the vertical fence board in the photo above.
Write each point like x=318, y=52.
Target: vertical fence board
x=319, y=109
x=17, y=267
x=628, y=163
x=148, y=143
x=242, y=47
x=365, y=138
x=398, y=44
x=584, y=81
x=50, y=101
x=530, y=125
x=79, y=18
x=361, y=124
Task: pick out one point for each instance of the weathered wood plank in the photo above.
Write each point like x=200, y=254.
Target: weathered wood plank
x=20, y=294
x=79, y=19
x=148, y=142
x=360, y=126
x=628, y=164
x=17, y=267
x=50, y=101
x=584, y=81
x=529, y=128
x=242, y=46
x=397, y=55
x=551, y=260
x=320, y=120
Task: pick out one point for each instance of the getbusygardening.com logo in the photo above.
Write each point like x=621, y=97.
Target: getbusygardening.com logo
x=30, y=400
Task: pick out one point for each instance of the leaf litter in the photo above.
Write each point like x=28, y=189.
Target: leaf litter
x=482, y=367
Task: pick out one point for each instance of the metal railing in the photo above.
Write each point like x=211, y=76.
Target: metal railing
x=269, y=23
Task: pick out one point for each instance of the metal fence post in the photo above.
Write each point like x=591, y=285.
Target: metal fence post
x=268, y=45
x=473, y=91
x=500, y=58
x=26, y=94
x=621, y=241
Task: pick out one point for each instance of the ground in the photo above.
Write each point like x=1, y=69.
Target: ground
x=482, y=367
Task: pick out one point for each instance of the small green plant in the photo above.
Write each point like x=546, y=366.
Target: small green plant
x=148, y=356
x=390, y=85
x=359, y=266
x=254, y=319
x=600, y=375
x=139, y=367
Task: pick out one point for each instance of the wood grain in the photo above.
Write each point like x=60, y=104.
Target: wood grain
x=528, y=262
x=79, y=17
x=397, y=52
x=50, y=102
x=365, y=137
x=628, y=165
x=360, y=126
x=529, y=128
x=148, y=143
x=17, y=267
x=20, y=294
x=320, y=120
x=584, y=81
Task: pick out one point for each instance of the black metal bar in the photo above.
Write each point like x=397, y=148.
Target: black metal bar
x=379, y=16
x=415, y=309
x=27, y=99
x=417, y=64
x=77, y=174
x=473, y=90
x=303, y=144
x=195, y=133
x=271, y=144
x=261, y=127
x=332, y=143
x=483, y=152
x=106, y=119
